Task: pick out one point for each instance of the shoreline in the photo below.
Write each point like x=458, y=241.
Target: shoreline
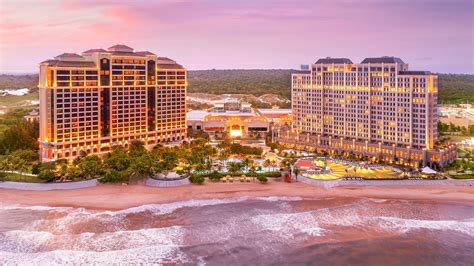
x=117, y=197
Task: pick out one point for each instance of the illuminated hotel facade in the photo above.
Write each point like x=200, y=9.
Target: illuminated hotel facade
x=378, y=110
x=105, y=98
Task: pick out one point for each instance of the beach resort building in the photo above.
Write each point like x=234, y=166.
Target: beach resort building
x=377, y=109
x=244, y=122
x=104, y=98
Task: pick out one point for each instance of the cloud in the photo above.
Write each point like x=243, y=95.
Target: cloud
x=241, y=33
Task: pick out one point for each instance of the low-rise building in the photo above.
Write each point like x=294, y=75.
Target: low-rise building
x=244, y=123
x=32, y=116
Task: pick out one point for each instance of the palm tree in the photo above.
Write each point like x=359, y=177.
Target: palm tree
x=245, y=164
x=266, y=163
x=273, y=165
x=234, y=167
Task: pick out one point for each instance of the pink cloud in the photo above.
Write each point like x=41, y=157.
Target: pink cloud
x=242, y=33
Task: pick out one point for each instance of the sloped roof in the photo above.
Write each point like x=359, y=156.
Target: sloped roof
x=428, y=171
x=329, y=60
x=165, y=58
x=61, y=63
x=98, y=50
x=68, y=55
x=123, y=53
x=383, y=59
x=144, y=53
x=120, y=48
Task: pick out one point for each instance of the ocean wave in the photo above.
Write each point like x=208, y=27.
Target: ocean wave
x=405, y=225
x=158, y=208
x=32, y=207
x=166, y=208
x=69, y=220
x=149, y=255
x=20, y=241
x=287, y=225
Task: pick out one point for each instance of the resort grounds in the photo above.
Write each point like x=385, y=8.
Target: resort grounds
x=339, y=170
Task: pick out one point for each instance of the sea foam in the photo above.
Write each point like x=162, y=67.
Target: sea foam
x=405, y=225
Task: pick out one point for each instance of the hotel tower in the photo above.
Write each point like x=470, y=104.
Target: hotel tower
x=105, y=98
x=377, y=110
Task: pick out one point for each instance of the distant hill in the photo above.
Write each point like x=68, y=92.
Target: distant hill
x=453, y=88
x=18, y=81
x=456, y=88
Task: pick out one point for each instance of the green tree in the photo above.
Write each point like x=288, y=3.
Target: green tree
x=112, y=176
x=169, y=160
x=90, y=166
x=245, y=163
x=117, y=160
x=21, y=135
x=146, y=164
x=234, y=167
x=136, y=149
x=47, y=176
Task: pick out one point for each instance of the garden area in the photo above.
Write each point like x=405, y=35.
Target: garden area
x=462, y=167
x=196, y=160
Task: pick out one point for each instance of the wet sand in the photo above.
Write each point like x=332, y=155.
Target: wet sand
x=115, y=197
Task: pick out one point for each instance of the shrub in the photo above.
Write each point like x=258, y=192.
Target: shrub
x=236, y=148
x=112, y=176
x=262, y=179
x=215, y=176
x=46, y=176
x=272, y=174
x=36, y=169
x=196, y=179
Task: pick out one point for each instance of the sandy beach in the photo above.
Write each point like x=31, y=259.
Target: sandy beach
x=114, y=197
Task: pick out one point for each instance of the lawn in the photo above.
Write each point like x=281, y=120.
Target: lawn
x=19, y=178
x=14, y=101
x=462, y=176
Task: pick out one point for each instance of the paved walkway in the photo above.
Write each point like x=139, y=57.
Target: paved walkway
x=337, y=183
x=171, y=183
x=49, y=186
x=17, y=172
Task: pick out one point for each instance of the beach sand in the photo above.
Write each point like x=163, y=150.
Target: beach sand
x=114, y=197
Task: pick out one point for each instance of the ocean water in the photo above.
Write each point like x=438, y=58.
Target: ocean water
x=242, y=231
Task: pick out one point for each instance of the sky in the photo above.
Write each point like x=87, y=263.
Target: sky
x=243, y=34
